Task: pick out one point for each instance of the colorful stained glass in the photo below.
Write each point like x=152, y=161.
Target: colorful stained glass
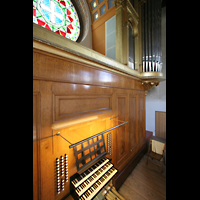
x=59, y=16
x=111, y=2
x=95, y=15
x=103, y=9
x=94, y=4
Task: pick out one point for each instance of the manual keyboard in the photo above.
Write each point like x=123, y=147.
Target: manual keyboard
x=87, y=185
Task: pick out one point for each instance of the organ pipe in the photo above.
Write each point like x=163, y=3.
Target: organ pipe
x=151, y=33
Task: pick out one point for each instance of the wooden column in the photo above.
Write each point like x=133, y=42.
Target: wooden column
x=121, y=32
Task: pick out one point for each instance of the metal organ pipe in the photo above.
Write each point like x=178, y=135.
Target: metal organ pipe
x=146, y=34
x=151, y=32
x=143, y=39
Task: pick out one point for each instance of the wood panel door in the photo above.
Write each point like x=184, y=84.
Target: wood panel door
x=160, y=124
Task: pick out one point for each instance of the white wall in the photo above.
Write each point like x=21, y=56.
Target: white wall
x=156, y=97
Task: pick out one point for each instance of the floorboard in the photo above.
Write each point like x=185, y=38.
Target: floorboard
x=145, y=182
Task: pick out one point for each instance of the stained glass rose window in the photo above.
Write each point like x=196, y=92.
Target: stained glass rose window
x=59, y=16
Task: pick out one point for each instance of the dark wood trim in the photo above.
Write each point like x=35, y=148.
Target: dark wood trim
x=123, y=175
x=148, y=135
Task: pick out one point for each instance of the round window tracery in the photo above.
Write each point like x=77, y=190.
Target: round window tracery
x=59, y=16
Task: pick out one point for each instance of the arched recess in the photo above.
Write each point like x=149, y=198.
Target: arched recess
x=85, y=17
x=133, y=18
x=133, y=22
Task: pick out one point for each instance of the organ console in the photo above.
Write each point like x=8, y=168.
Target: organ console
x=88, y=184
x=95, y=171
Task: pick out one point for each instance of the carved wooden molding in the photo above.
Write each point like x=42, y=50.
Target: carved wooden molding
x=149, y=85
x=133, y=17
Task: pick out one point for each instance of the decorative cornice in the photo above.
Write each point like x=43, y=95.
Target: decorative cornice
x=83, y=8
x=132, y=10
x=119, y=3
x=46, y=40
x=133, y=17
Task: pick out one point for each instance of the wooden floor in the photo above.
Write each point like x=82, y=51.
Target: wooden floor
x=145, y=182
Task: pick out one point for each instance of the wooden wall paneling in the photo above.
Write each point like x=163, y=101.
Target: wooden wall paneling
x=141, y=123
x=47, y=169
x=98, y=126
x=160, y=124
x=36, y=137
x=59, y=80
x=48, y=66
x=96, y=86
x=144, y=116
x=98, y=39
x=121, y=136
x=121, y=130
x=46, y=150
x=46, y=108
x=133, y=123
x=70, y=71
x=77, y=106
x=98, y=31
x=76, y=101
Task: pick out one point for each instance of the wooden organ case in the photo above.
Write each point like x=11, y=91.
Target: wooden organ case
x=83, y=94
